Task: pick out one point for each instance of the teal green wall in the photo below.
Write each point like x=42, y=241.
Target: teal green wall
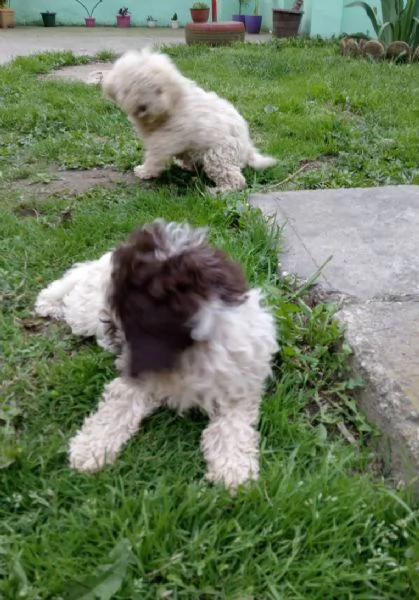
x=69, y=12
x=321, y=17
x=355, y=20
x=326, y=17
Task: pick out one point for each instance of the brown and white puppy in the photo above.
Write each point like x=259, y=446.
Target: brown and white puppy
x=192, y=333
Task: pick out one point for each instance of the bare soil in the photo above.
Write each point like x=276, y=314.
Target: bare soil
x=74, y=182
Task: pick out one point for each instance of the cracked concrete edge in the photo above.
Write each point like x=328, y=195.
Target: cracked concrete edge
x=385, y=405
x=381, y=399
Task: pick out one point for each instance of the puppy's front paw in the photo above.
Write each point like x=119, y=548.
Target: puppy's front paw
x=232, y=476
x=143, y=172
x=48, y=306
x=89, y=455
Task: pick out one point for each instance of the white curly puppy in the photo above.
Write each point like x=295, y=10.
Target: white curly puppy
x=189, y=333
x=180, y=121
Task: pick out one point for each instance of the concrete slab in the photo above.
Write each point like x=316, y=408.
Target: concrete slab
x=23, y=41
x=372, y=236
x=384, y=337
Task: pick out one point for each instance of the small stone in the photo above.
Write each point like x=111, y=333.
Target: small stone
x=349, y=47
x=398, y=52
x=414, y=415
x=374, y=49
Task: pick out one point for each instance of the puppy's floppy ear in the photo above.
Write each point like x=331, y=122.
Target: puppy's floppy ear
x=108, y=86
x=156, y=300
x=143, y=295
x=145, y=52
x=172, y=93
x=170, y=82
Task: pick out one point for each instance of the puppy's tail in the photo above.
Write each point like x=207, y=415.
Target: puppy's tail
x=258, y=161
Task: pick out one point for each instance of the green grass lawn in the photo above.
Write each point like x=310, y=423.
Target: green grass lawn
x=320, y=524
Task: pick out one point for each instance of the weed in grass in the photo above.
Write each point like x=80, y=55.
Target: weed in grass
x=317, y=525
x=105, y=55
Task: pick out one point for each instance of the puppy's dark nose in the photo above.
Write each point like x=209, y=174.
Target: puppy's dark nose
x=142, y=108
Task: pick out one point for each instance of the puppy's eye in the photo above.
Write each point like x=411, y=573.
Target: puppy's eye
x=141, y=109
x=159, y=91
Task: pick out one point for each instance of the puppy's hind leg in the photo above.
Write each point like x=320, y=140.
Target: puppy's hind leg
x=123, y=406
x=224, y=172
x=183, y=161
x=50, y=300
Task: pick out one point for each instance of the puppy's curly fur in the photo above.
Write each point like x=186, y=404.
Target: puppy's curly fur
x=188, y=331
x=180, y=121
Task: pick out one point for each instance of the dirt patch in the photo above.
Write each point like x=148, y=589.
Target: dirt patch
x=27, y=212
x=71, y=183
x=33, y=325
x=318, y=163
x=304, y=165
x=91, y=73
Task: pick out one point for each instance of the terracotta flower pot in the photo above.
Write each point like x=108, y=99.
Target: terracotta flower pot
x=285, y=23
x=7, y=18
x=90, y=21
x=199, y=15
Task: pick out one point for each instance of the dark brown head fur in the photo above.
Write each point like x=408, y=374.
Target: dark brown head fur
x=155, y=298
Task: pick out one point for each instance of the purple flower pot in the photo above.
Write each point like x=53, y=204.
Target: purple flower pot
x=239, y=18
x=253, y=23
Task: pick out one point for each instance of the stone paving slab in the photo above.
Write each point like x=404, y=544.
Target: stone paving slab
x=372, y=236
x=23, y=41
x=384, y=337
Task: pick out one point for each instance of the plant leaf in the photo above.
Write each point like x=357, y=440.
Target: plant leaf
x=389, y=10
x=384, y=34
x=108, y=579
x=18, y=578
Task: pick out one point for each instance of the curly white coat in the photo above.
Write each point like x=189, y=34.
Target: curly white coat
x=180, y=121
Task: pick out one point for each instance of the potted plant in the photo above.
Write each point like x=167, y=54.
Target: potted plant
x=123, y=18
x=200, y=12
x=7, y=15
x=90, y=21
x=253, y=22
x=151, y=21
x=240, y=17
x=174, y=21
x=48, y=18
x=286, y=23
x=399, y=21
